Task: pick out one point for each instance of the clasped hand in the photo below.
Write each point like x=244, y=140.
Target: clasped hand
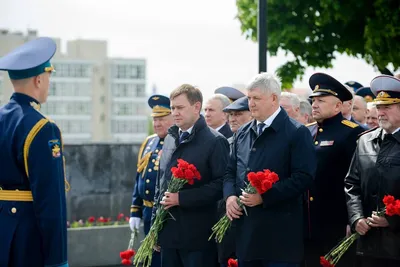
x=170, y=200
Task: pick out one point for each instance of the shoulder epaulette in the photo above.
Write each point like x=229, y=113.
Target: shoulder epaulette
x=144, y=145
x=310, y=124
x=350, y=123
x=368, y=131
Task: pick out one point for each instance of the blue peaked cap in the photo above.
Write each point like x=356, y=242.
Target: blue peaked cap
x=30, y=59
x=160, y=105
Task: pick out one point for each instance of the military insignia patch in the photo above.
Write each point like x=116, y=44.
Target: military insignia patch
x=326, y=143
x=349, y=123
x=55, y=148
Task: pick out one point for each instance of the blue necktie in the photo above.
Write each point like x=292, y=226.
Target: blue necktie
x=260, y=128
x=183, y=136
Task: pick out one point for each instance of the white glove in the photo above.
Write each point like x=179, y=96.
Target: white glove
x=134, y=223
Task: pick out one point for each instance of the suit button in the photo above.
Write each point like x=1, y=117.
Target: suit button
x=321, y=130
x=14, y=210
x=149, y=170
x=147, y=192
x=316, y=142
x=147, y=181
x=311, y=199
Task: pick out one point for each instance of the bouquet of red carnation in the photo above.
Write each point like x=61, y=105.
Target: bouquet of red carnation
x=232, y=263
x=129, y=253
x=184, y=173
x=260, y=182
x=392, y=207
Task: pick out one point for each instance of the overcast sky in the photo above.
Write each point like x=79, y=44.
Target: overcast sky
x=184, y=41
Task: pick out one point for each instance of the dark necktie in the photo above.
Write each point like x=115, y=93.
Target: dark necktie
x=260, y=128
x=183, y=136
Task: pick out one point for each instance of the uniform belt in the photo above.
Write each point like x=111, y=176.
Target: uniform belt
x=148, y=204
x=16, y=195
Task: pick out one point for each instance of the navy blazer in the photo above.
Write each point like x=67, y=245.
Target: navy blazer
x=208, y=150
x=272, y=231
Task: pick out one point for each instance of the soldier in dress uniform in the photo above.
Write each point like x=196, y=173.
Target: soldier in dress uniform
x=33, y=225
x=366, y=93
x=147, y=167
x=335, y=141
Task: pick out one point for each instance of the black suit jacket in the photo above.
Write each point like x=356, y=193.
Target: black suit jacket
x=197, y=213
x=273, y=230
x=226, y=131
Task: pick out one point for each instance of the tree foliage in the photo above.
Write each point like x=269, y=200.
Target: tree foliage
x=313, y=30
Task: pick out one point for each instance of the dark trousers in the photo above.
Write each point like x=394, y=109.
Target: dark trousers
x=185, y=258
x=314, y=250
x=156, y=260
x=265, y=263
x=374, y=262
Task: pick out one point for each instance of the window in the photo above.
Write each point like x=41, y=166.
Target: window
x=126, y=126
x=74, y=126
x=67, y=108
x=129, y=71
x=140, y=90
x=69, y=89
x=76, y=70
x=129, y=109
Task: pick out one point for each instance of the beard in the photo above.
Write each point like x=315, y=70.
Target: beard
x=385, y=124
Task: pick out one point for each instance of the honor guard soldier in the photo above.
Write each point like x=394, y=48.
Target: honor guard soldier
x=147, y=166
x=335, y=141
x=33, y=225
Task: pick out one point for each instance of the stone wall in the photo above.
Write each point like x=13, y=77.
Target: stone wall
x=101, y=177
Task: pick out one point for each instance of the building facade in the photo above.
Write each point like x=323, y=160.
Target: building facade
x=92, y=98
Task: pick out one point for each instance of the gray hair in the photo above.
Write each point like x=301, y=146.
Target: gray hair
x=293, y=98
x=305, y=107
x=267, y=83
x=364, y=103
x=221, y=98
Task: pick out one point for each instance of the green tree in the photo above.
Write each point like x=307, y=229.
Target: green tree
x=315, y=31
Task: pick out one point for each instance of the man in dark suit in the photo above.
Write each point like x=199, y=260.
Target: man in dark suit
x=272, y=233
x=215, y=117
x=184, y=238
x=334, y=141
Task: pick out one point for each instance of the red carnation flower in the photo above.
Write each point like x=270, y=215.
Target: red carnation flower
x=325, y=263
x=91, y=219
x=182, y=164
x=126, y=262
x=388, y=200
x=120, y=216
x=232, y=263
x=266, y=185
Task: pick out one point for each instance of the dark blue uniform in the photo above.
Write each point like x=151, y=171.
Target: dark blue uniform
x=33, y=226
x=335, y=140
x=147, y=170
x=143, y=194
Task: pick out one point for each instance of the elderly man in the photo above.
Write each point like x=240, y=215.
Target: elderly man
x=215, y=116
x=147, y=167
x=305, y=112
x=374, y=173
x=372, y=116
x=360, y=110
x=272, y=233
x=239, y=114
x=291, y=104
x=334, y=140
x=33, y=224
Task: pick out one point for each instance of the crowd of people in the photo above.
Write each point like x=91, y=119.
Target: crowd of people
x=335, y=151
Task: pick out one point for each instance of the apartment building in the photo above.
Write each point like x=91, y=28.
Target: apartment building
x=93, y=98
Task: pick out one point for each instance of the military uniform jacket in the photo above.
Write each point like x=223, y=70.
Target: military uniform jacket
x=148, y=164
x=208, y=150
x=273, y=230
x=375, y=172
x=33, y=233
x=335, y=141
